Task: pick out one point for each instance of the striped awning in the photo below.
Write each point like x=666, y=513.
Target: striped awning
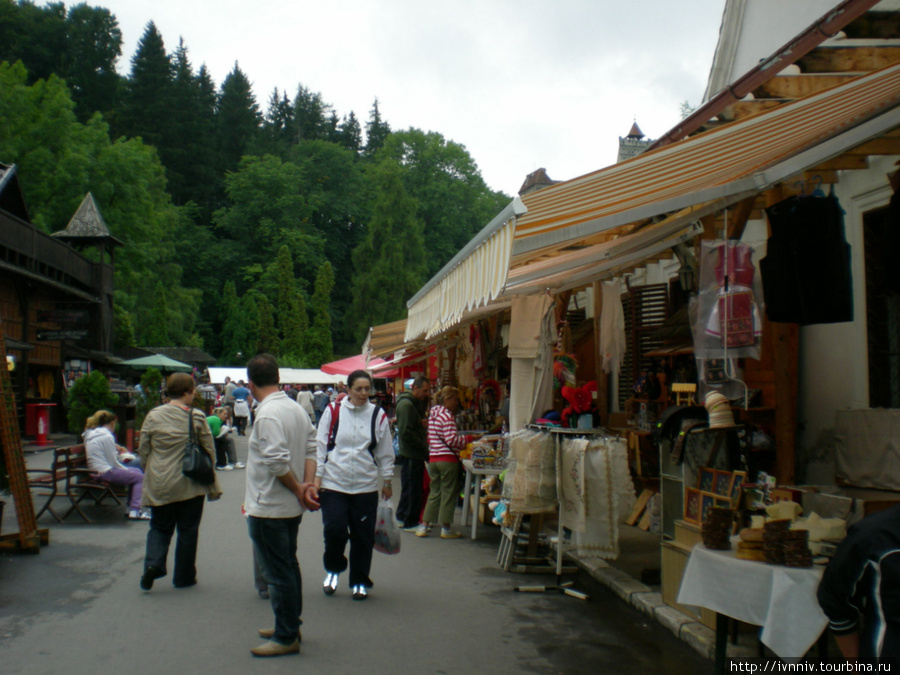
x=697, y=176
x=467, y=282
x=713, y=165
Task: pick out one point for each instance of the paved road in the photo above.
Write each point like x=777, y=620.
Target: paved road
x=440, y=606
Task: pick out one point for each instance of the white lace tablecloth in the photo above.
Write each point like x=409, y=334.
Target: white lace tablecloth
x=780, y=599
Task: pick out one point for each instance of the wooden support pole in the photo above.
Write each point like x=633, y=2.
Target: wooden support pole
x=786, y=357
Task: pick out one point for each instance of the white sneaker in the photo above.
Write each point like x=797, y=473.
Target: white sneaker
x=228, y=467
x=240, y=465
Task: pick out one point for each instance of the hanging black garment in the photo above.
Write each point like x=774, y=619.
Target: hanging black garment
x=806, y=273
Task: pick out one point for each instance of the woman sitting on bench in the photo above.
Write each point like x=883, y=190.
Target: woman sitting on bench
x=103, y=459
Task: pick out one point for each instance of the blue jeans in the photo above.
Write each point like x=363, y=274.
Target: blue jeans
x=276, y=545
x=164, y=519
x=349, y=516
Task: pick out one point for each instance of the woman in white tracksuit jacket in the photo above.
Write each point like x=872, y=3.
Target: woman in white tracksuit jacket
x=354, y=452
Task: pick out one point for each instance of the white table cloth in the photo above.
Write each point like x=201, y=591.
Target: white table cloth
x=780, y=599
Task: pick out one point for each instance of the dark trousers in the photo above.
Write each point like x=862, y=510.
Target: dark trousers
x=275, y=540
x=185, y=516
x=225, y=451
x=346, y=516
x=410, y=506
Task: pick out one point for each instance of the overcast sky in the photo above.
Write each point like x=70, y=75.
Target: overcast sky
x=521, y=84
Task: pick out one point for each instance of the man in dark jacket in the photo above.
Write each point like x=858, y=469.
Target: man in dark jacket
x=860, y=590
x=412, y=431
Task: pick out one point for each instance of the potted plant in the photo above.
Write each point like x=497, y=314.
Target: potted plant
x=88, y=394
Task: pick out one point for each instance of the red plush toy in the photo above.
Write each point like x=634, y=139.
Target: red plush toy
x=580, y=400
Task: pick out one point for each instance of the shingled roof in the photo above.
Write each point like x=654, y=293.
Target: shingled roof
x=87, y=225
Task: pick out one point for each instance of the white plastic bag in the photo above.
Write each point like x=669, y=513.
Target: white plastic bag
x=387, y=531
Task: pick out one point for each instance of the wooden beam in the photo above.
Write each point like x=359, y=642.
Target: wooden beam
x=743, y=109
x=888, y=145
x=737, y=218
x=848, y=59
x=843, y=163
x=799, y=86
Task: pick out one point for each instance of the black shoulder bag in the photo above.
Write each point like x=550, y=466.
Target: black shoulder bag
x=197, y=464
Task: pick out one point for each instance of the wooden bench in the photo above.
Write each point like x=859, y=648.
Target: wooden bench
x=69, y=477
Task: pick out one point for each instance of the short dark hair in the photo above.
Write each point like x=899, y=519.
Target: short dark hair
x=420, y=380
x=357, y=374
x=262, y=370
x=179, y=384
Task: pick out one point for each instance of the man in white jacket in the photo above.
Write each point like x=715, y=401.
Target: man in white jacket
x=281, y=468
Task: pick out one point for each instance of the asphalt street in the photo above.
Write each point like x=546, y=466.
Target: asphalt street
x=440, y=606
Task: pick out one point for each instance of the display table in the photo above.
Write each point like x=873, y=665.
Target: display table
x=471, y=491
x=780, y=599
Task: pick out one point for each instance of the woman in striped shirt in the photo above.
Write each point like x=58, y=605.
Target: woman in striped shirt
x=444, y=444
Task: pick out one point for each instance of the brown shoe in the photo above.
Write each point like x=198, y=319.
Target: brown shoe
x=272, y=648
x=269, y=633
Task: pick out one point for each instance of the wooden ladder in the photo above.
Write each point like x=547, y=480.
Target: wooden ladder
x=28, y=538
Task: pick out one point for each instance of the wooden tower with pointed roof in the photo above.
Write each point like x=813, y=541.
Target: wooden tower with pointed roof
x=633, y=144
x=87, y=229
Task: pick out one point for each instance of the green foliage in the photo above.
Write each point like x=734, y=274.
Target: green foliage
x=123, y=328
x=148, y=100
x=234, y=330
x=267, y=337
x=150, y=396
x=319, y=345
x=88, y=394
x=390, y=260
x=238, y=119
x=268, y=209
x=157, y=333
x=204, y=190
x=377, y=131
x=453, y=201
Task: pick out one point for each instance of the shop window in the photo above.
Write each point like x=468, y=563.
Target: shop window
x=882, y=309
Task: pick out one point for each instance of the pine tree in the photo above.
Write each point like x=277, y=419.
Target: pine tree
x=277, y=126
x=237, y=119
x=157, y=331
x=234, y=332
x=351, y=133
x=377, y=131
x=93, y=45
x=189, y=134
x=319, y=344
x=148, y=101
x=267, y=338
x=292, y=317
x=310, y=116
x=250, y=321
x=390, y=260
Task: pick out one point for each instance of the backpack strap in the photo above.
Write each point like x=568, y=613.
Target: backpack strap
x=333, y=429
x=335, y=425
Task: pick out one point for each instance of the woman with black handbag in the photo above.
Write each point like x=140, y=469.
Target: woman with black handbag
x=175, y=500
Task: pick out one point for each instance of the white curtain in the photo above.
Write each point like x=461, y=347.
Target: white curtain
x=612, y=327
x=531, y=353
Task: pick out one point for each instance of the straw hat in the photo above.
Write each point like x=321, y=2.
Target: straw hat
x=719, y=409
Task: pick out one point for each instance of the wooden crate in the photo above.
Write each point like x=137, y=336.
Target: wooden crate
x=674, y=560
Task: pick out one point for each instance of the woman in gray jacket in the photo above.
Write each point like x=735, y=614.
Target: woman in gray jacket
x=175, y=500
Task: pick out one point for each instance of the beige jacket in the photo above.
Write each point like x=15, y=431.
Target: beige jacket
x=163, y=437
